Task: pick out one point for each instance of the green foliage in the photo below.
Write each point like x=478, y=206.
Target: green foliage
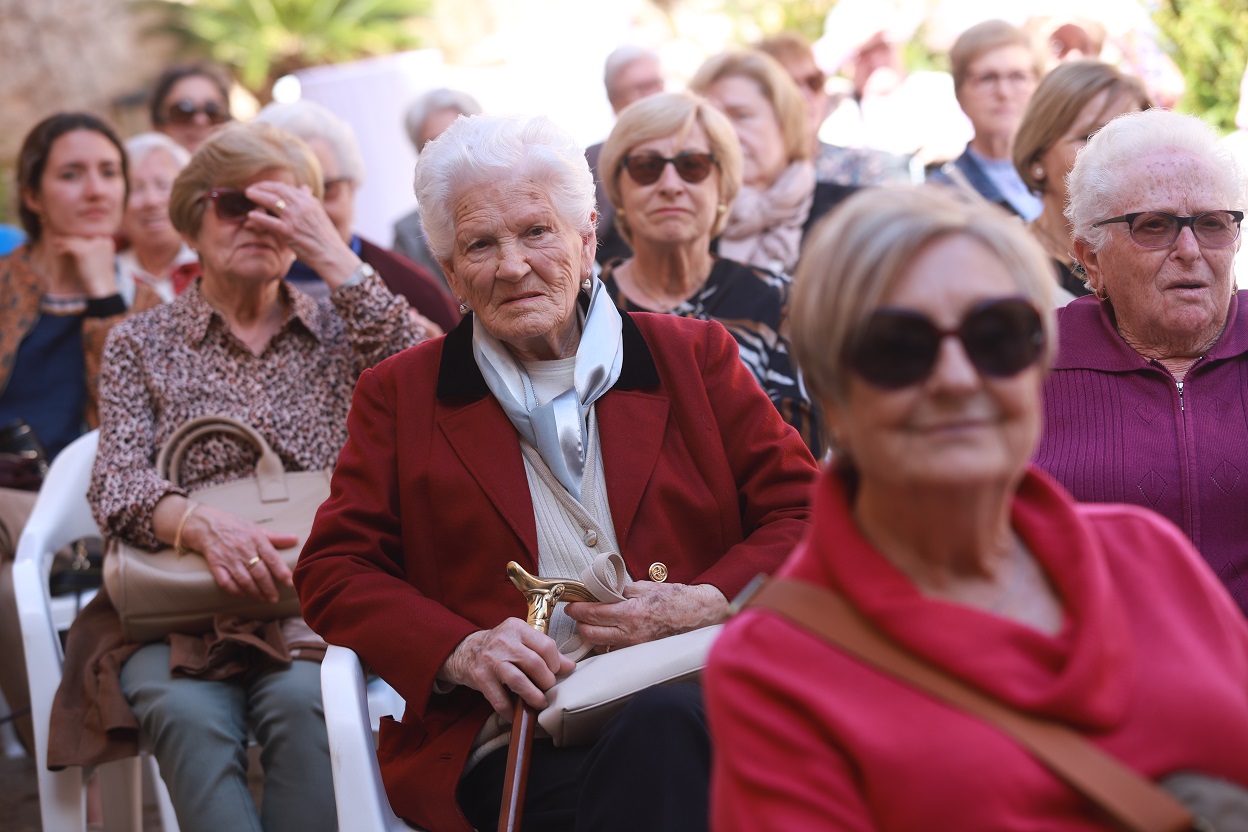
x=1208, y=39
x=769, y=17
x=263, y=40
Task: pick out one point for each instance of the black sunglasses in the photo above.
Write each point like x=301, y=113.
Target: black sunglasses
x=184, y=112
x=1157, y=229
x=232, y=205
x=691, y=166
x=814, y=82
x=897, y=347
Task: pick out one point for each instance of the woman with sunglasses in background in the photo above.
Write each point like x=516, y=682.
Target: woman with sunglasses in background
x=189, y=102
x=675, y=168
x=1146, y=402
x=924, y=325
x=59, y=297
x=779, y=201
x=238, y=342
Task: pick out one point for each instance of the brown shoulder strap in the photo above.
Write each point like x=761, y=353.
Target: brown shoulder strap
x=1134, y=801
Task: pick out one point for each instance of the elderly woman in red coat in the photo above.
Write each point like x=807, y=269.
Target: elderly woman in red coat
x=548, y=428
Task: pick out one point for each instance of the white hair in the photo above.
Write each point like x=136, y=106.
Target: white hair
x=141, y=145
x=1095, y=183
x=620, y=58
x=482, y=149
x=309, y=120
x=432, y=102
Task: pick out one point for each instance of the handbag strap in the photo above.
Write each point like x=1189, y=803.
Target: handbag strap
x=1134, y=801
x=270, y=474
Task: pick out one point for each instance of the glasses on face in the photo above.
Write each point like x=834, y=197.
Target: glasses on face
x=813, y=82
x=232, y=205
x=1157, y=229
x=1014, y=80
x=334, y=187
x=898, y=348
x=645, y=169
x=184, y=112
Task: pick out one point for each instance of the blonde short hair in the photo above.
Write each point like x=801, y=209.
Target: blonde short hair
x=231, y=156
x=983, y=38
x=856, y=254
x=777, y=86
x=666, y=114
x=1057, y=102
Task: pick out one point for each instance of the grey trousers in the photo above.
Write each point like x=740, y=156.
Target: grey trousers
x=199, y=731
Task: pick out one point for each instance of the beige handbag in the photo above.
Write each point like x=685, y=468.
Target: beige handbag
x=579, y=704
x=156, y=593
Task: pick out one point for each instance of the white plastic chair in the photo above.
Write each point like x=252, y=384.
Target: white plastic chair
x=360, y=795
x=61, y=516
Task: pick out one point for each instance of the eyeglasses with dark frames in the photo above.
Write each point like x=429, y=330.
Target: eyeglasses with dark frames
x=334, y=186
x=232, y=205
x=691, y=166
x=897, y=348
x=185, y=110
x=1157, y=229
x=814, y=82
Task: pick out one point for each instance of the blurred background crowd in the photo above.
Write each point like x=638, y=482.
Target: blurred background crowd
x=880, y=72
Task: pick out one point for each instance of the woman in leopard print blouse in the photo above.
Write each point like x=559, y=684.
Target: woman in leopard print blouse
x=243, y=343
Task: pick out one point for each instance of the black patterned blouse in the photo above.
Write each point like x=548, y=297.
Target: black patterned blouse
x=753, y=305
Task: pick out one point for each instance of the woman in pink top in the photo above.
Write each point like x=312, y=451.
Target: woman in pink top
x=924, y=327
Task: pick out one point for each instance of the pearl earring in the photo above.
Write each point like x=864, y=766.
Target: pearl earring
x=464, y=308
x=587, y=283
x=1039, y=172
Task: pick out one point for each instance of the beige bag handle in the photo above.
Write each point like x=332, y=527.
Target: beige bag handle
x=1134, y=801
x=270, y=475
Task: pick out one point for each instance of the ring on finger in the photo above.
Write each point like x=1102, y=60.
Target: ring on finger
x=280, y=205
x=253, y=561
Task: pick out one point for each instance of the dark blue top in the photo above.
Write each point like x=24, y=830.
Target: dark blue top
x=46, y=386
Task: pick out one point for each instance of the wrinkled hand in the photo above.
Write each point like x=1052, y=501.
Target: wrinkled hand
x=511, y=657
x=303, y=225
x=228, y=543
x=650, y=611
x=86, y=263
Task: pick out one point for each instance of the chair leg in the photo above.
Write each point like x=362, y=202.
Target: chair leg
x=62, y=803
x=168, y=818
x=121, y=795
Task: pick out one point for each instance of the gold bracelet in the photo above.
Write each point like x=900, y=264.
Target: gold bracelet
x=177, y=538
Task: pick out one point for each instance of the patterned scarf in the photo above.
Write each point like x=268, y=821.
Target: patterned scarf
x=765, y=226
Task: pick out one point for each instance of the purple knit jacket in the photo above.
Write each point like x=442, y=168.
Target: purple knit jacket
x=1118, y=429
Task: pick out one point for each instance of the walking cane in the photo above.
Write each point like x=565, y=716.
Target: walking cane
x=542, y=594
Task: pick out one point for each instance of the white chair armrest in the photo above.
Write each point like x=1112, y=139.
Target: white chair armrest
x=358, y=790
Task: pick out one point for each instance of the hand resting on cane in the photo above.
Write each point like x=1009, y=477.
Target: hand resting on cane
x=511, y=658
x=650, y=611
x=229, y=543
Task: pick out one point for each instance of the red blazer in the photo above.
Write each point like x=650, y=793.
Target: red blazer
x=430, y=501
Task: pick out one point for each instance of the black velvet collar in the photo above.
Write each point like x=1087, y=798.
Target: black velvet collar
x=460, y=377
